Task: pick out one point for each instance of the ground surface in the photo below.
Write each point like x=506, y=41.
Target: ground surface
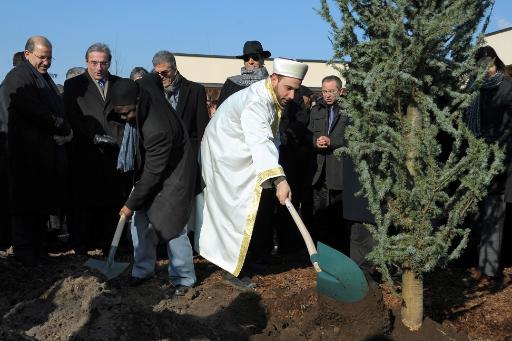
x=65, y=300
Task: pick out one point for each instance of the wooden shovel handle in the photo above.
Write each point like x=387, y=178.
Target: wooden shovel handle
x=119, y=230
x=304, y=232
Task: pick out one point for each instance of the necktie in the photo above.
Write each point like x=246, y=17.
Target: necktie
x=331, y=119
x=101, y=83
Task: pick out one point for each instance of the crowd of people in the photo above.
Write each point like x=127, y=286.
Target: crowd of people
x=187, y=171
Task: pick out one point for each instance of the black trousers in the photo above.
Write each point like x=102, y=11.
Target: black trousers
x=29, y=237
x=93, y=227
x=361, y=244
x=328, y=224
x=262, y=239
x=5, y=219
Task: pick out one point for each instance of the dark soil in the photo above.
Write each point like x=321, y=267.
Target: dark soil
x=65, y=300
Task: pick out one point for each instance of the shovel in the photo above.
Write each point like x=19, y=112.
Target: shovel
x=337, y=276
x=109, y=268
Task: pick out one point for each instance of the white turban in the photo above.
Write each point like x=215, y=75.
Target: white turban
x=290, y=68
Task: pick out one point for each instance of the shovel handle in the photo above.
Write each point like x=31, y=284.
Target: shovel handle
x=304, y=232
x=119, y=230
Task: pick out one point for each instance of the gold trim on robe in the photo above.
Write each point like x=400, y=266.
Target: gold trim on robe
x=251, y=218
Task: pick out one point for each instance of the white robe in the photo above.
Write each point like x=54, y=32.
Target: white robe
x=239, y=154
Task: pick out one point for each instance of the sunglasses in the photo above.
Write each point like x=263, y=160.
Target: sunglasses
x=164, y=73
x=255, y=57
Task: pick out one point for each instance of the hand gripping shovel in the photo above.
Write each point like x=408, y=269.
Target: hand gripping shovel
x=109, y=268
x=337, y=276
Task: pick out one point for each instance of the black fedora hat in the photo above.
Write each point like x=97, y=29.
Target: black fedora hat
x=254, y=47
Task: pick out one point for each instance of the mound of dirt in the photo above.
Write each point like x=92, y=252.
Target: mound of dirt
x=64, y=300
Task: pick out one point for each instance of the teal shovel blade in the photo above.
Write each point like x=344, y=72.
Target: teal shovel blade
x=340, y=278
x=108, y=271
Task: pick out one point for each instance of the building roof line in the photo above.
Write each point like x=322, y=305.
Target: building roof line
x=498, y=32
x=233, y=57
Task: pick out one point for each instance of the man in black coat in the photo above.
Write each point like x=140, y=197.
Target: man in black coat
x=490, y=118
x=165, y=175
x=328, y=128
x=253, y=70
x=188, y=99
x=37, y=132
x=5, y=219
x=97, y=188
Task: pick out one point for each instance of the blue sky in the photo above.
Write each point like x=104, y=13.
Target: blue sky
x=135, y=30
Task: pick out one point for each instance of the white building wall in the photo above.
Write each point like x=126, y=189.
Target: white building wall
x=214, y=70
x=501, y=41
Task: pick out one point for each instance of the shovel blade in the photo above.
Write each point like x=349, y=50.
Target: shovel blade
x=108, y=271
x=341, y=278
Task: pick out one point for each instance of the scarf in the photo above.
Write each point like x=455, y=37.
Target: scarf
x=128, y=151
x=50, y=91
x=248, y=77
x=472, y=115
x=175, y=85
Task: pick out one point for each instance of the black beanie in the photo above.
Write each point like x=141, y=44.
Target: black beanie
x=124, y=92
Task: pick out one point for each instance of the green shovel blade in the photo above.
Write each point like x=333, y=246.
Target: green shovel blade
x=340, y=278
x=109, y=271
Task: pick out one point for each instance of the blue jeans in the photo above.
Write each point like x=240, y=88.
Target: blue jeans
x=179, y=250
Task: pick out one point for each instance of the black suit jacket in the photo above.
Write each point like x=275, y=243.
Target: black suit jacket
x=94, y=177
x=325, y=159
x=193, y=111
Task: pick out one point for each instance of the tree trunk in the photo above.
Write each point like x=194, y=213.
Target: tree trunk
x=414, y=119
x=412, y=300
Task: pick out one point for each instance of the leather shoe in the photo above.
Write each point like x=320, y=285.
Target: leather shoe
x=243, y=284
x=179, y=290
x=136, y=281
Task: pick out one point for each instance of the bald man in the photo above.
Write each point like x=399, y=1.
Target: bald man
x=38, y=130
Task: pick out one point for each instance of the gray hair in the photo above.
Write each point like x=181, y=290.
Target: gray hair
x=164, y=57
x=74, y=71
x=37, y=40
x=138, y=72
x=98, y=47
x=339, y=83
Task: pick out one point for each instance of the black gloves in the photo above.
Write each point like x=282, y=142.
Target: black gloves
x=104, y=140
x=61, y=126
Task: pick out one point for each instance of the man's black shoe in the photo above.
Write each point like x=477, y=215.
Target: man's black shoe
x=136, y=281
x=244, y=283
x=179, y=290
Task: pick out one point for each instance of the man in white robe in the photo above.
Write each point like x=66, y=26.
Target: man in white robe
x=239, y=154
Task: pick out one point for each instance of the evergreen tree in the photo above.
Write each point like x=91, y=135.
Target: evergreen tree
x=421, y=168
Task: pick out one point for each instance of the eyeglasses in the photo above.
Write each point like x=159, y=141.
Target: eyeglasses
x=330, y=92
x=255, y=57
x=96, y=63
x=44, y=58
x=164, y=73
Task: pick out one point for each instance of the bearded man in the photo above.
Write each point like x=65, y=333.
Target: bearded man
x=239, y=155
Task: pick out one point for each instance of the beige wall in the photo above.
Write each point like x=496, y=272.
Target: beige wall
x=501, y=41
x=213, y=70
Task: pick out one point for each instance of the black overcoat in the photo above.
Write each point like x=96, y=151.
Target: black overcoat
x=324, y=157
x=166, y=167
x=37, y=166
x=94, y=178
x=193, y=111
x=496, y=126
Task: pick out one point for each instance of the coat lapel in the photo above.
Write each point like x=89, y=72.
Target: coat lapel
x=183, y=96
x=337, y=115
x=93, y=88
